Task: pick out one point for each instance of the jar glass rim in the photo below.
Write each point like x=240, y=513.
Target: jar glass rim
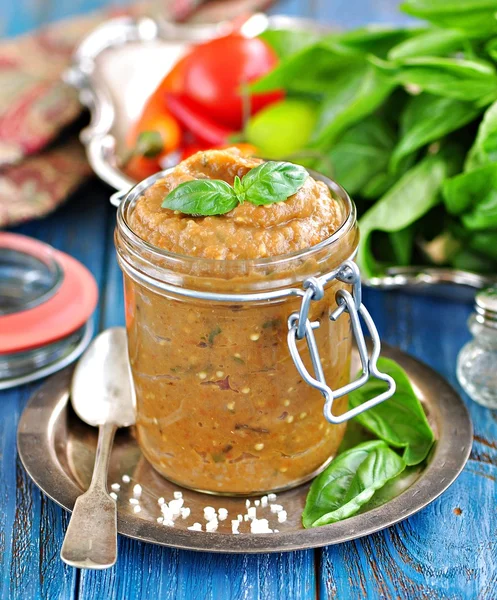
x=136, y=192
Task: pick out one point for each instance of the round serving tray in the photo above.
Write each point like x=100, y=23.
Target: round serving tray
x=58, y=451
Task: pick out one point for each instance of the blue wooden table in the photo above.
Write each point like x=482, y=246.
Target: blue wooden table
x=448, y=550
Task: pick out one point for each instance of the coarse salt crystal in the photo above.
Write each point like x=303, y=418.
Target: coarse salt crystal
x=126, y=478
x=252, y=512
x=282, y=516
x=211, y=525
x=168, y=522
x=116, y=487
x=137, y=508
x=209, y=513
x=195, y=527
x=260, y=526
x=240, y=518
x=160, y=501
x=247, y=503
x=185, y=512
x=264, y=501
x=271, y=497
x=245, y=517
x=275, y=508
x=257, y=502
x=134, y=501
x=178, y=495
x=137, y=490
x=175, y=506
x=160, y=519
x=223, y=514
x=113, y=495
x=235, y=525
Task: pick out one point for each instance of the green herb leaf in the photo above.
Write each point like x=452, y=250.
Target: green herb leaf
x=273, y=182
x=476, y=17
x=410, y=198
x=202, y=197
x=468, y=80
x=484, y=148
x=311, y=70
x=428, y=118
x=475, y=194
x=286, y=42
x=361, y=153
x=401, y=421
x=349, y=482
x=435, y=42
x=354, y=94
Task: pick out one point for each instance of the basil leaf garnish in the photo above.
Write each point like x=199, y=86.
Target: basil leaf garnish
x=349, y=482
x=401, y=421
x=269, y=182
x=273, y=182
x=204, y=197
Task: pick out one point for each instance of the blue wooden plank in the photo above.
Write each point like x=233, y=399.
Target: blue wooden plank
x=449, y=549
x=31, y=525
x=146, y=571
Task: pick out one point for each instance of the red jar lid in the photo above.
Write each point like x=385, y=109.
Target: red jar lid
x=62, y=313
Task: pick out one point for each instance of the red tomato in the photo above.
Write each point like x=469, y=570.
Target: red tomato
x=215, y=72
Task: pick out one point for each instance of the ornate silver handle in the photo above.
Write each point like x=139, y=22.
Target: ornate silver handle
x=299, y=327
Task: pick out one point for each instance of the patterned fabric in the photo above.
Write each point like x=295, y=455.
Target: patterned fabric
x=35, y=105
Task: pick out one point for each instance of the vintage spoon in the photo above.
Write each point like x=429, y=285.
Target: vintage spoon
x=102, y=395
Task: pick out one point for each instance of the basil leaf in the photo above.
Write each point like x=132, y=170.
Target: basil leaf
x=428, y=118
x=401, y=421
x=484, y=149
x=491, y=48
x=410, y=198
x=286, y=42
x=476, y=17
x=355, y=94
x=466, y=260
x=373, y=39
x=467, y=80
x=435, y=42
x=202, y=197
x=475, y=192
x=311, y=70
x=273, y=182
x=484, y=242
x=349, y=482
x=361, y=153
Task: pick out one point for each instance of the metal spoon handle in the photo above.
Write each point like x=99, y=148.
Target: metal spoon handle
x=91, y=538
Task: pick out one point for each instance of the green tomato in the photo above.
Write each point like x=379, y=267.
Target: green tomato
x=282, y=128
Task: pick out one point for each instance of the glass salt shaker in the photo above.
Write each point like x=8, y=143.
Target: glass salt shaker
x=477, y=361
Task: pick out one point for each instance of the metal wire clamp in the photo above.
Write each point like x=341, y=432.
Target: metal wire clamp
x=300, y=327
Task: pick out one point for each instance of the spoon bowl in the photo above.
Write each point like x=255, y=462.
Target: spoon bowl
x=102, y=390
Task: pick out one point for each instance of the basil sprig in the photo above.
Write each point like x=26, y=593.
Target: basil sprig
x=268, y=183
x=365, y=467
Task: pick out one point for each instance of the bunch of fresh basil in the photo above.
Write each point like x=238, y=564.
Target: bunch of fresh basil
x=407, y=124
x=351, y=482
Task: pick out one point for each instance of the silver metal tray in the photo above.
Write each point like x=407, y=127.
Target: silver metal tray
x=121, y=62
x=58, y=451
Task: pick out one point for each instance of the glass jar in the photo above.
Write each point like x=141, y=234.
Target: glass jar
x=477, y=361
x=221, y=407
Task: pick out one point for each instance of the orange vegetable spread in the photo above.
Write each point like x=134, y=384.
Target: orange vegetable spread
x=220, y=404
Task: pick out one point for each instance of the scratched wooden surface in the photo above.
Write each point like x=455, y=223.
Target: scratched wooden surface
x=447, y=551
